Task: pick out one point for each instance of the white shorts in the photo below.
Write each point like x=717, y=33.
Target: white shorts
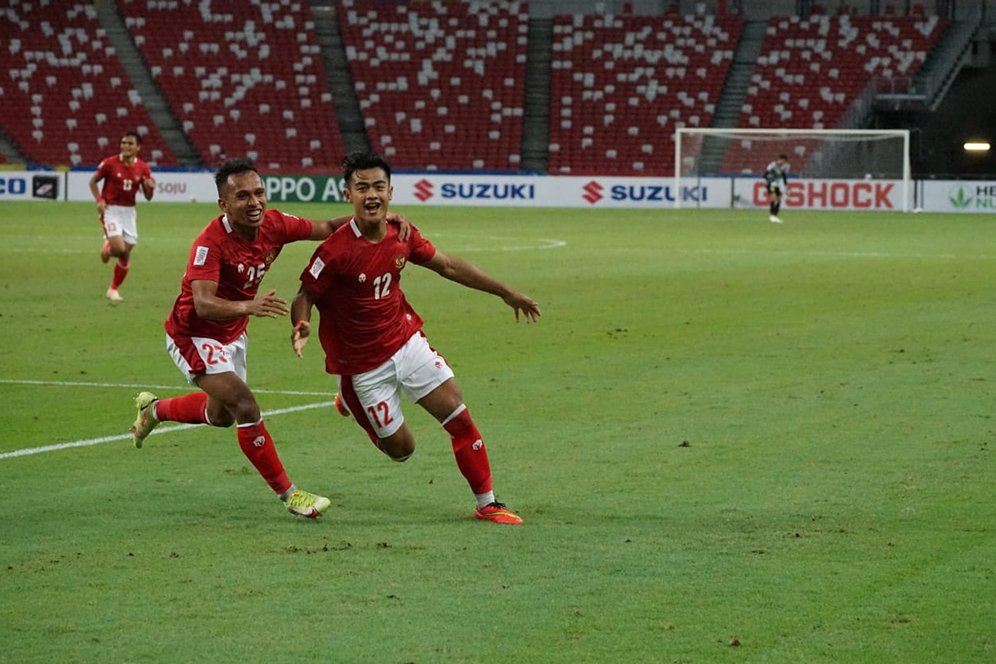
x=196, y=356
x=416, y=369
x=121, y=220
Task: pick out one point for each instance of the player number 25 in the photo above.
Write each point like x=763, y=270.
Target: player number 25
x=254, y=275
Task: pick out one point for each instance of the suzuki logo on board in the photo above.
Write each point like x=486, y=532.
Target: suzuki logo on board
x=592, y=192
x=423, y=190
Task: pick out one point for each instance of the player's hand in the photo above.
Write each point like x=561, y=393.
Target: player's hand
x=148, y=187
x=406, y=225
x=299, y=337
x=268, y=305
x=521, y=302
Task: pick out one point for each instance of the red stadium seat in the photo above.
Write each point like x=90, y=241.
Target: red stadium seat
x=65, y=99
x=621, y=85
x=225, y=73
x=812, y=69
x=440, y=85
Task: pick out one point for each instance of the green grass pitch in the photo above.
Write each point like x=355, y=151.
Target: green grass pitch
x=731, y=441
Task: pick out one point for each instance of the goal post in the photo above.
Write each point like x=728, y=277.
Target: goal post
x=826, y=154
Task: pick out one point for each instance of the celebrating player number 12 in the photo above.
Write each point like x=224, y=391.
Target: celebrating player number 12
x=373, y=339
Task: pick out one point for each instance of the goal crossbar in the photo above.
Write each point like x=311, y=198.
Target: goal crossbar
x=818, y=157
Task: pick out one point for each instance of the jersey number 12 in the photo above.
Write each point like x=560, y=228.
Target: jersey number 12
x=382, y=286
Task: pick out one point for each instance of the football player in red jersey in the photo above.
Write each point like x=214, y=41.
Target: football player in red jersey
x=373, y=339
x=206, y=330
x=122, y=175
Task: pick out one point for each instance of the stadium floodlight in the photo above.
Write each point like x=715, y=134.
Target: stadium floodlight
x=831, y=154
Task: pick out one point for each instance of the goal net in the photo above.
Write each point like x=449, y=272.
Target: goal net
x=813, y=154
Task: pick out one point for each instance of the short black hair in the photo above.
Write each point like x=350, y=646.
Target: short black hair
x=362, y=160
x=783, y=156
x=135, y=134
x=233, y=167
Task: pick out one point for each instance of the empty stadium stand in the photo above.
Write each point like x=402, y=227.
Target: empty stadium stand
x=244, y=77
x=812, y=68
x=621, y=84
x=66, y=99
x=440, y=84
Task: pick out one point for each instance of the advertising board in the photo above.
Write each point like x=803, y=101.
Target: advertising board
x=556, y=191
x=948, y=196
x=171, y=187
x=958, y=196
x=31, y=185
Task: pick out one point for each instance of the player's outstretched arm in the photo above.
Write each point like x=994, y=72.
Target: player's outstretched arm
x=301, y=321
x=467, y=274
x=520, y=302
x=211, y=307
x=322, y=229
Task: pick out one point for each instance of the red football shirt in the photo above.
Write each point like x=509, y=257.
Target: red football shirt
x=120, y=182
x=356, y=287
x=237, y=266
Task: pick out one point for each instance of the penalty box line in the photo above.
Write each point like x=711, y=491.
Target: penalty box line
x=27, y=451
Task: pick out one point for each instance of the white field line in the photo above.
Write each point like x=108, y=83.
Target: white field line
x=816, y=253
x=547, y=244
x=543, y=243
x=70, y=383
x=127, y=436
x=164, y=429
x=821, y=254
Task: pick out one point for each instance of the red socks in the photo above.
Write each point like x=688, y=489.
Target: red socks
x=258, y=447
x=189, y=408
x=254, y=439
x=468, y=448
x=120, y=272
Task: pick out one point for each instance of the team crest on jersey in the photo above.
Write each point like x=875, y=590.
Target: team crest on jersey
x=399, y=262
x=270, y=257
x=363, y=278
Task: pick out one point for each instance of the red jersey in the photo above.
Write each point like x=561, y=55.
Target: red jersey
x=121, y=182
x=236, y=265
x=356, y=286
